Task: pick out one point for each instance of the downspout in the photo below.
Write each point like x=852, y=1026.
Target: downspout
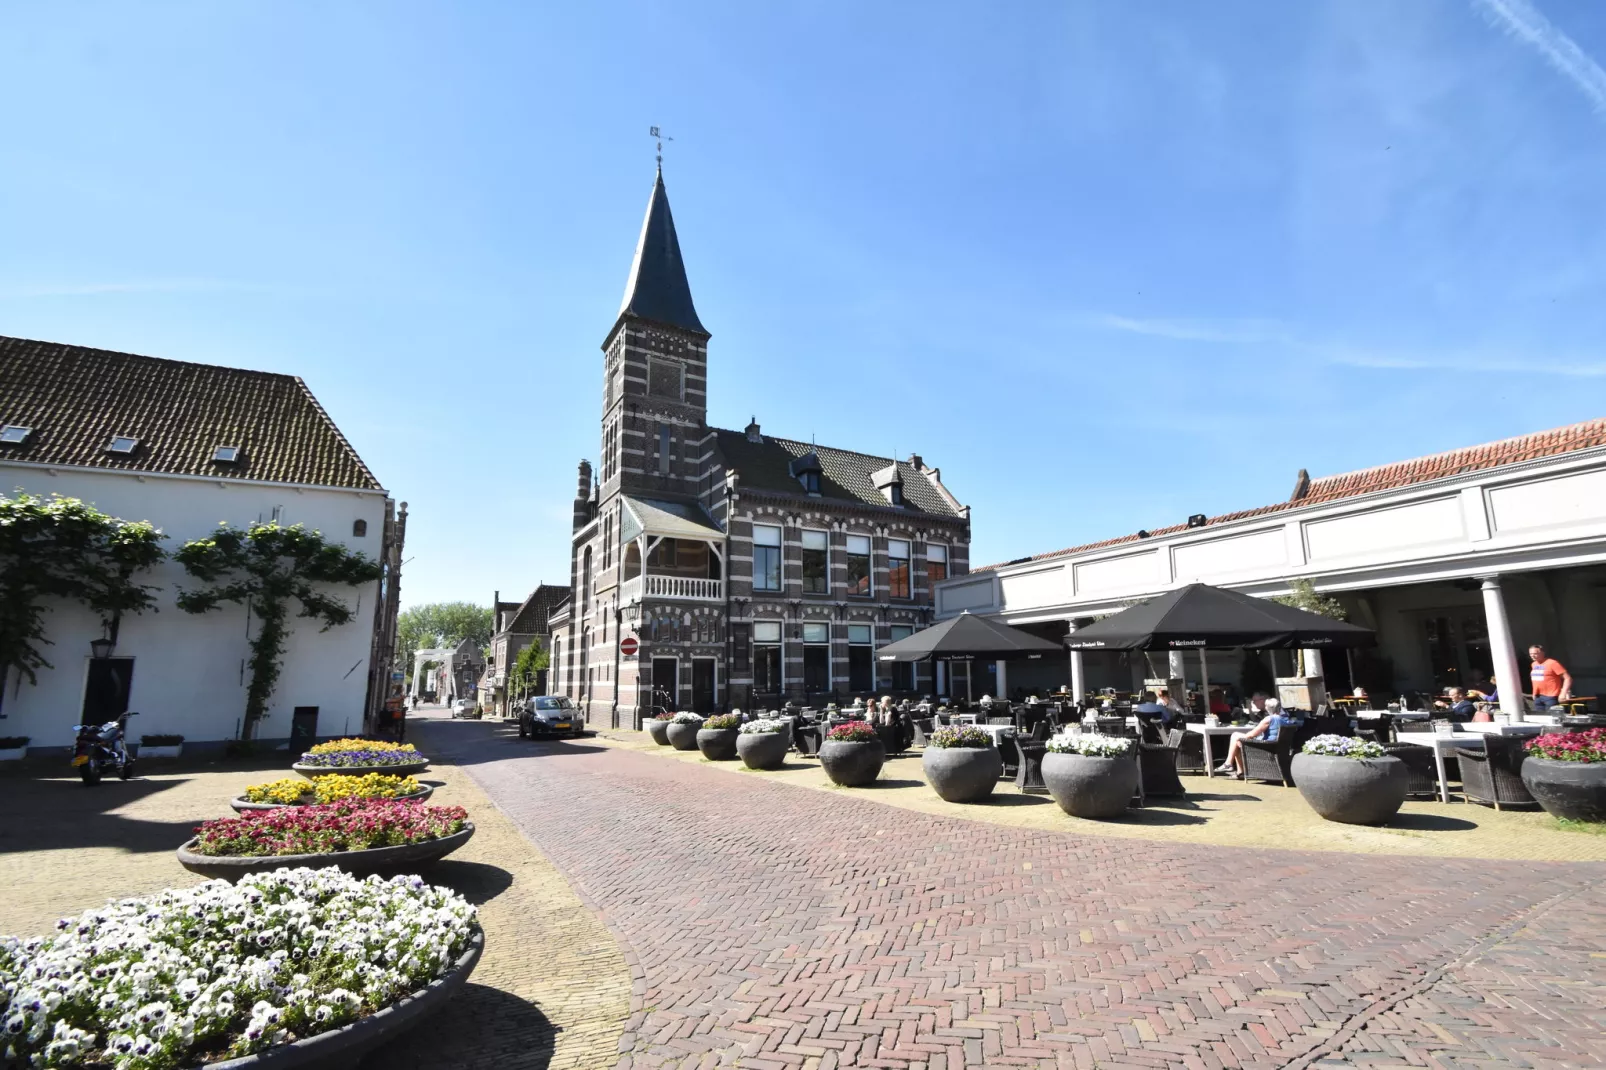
x=725, y=581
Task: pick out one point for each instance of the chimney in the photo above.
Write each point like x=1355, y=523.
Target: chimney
x=917, y=462
x=582, y=496
x=1301, y=486
x=753, y=434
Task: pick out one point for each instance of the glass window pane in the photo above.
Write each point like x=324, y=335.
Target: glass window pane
x=815, y=540
x=936, y=551
x=900, y=631
x=858, y=544
x=861, y=668
x=897, y=548
x=858, y=633
x=816, y=633
x=767, y=631
x=764, y=535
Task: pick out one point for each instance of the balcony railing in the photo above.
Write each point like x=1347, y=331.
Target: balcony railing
x=688, y=588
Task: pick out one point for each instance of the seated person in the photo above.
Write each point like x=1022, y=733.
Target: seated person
x=1460, y=708
x=1150, y=708
x=1492, y=694
x=1163, y=697
x=1218, y=701
x=1270, y=726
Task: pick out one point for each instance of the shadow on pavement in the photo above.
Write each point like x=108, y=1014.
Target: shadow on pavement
x=481, y=1026
x=1429, y=823
x=477, y=882
x=60, y=814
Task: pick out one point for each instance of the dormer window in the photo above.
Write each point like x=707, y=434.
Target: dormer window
x=806, y=470
x=811, y=482
x=895, y=494
x=226, y=455
x=122, y=444
x=14, y=434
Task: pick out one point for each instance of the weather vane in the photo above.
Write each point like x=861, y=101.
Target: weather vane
x=656, y=135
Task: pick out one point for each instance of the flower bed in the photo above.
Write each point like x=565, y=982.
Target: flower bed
x=1090, y=745
x=1566, y=774
x=293, y=791
x=763, y=726
x=722, y=721
x=361, y=754
x=686, y=718
x=349, y=825
x=960, y=735
x=852, y=732
x=1343, y=747
x=1350, y=780
x=1586, y=746
x=221, y=971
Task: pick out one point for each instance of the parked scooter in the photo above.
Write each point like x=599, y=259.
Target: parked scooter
x=101, y=750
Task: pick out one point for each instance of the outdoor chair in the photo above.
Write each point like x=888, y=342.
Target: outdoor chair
x=1418, y=762
x=1112, y=726
x=1190, y=753
x=1378, y=731
x=1274, y=761
x=806, y=738
x=1001, y=721
x=1009, y=751
x=1029, y=767
x=1493, y=776
x=1157, y=766
x=1041, y=731
x=923, y=729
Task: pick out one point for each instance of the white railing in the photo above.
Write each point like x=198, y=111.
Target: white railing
x=685, y=587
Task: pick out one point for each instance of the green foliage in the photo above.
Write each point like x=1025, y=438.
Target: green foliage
x=531, y=660
x=63, y=548
x=1302, y=594
x=266, y=567
x=441, y=624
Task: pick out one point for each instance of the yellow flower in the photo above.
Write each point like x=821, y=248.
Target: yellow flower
x=289, y=790
x=336, y=745
x=370, y=786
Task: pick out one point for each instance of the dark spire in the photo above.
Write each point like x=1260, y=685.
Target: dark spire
x=658, y=290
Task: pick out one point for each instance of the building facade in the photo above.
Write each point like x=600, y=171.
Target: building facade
x=714, y=568
x=1460, y=561
x=517, y=624
x=186, y=446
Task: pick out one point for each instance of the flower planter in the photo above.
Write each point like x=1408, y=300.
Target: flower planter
x=408, y=769
x=684, y=736
x=659, y=731
x=763, y=750
x=343, y=1047
x=852, y=765
x=1355, y=791
x=717, y=744
x=1087, y=786
x=1574, y=790
x=357, y=863
x=241, y=804
x=12, y=754
x=172, y=751
x=962, y=774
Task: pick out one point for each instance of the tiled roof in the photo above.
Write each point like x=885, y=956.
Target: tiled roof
x=531, y=619
x=657, y=289
x=75, y=399
x=1560, y=440
x=844, y=476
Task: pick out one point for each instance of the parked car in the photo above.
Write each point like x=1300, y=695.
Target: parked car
x=463, y=707
x=549, y=716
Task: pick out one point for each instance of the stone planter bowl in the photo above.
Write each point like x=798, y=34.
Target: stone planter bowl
x=962, y=774
x=684, y=736
x=852, y=765
x=717, y=744
x=659, y=731
x=763, y=750
x=243, y=805
x=172, y=750
x=1086, y=786
x=1355, y=791
x=357, y=863
x=1574, y=790
x=410, y=769
x=344, y=1047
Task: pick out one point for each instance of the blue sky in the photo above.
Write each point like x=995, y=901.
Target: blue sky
x=1106, y=264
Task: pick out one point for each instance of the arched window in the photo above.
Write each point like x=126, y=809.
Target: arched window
x=359, y=529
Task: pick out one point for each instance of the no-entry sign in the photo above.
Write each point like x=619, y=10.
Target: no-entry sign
x=629, y=646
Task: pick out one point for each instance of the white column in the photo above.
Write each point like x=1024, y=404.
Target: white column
x=1508, y=674
x=1078, y=681
x=939, y=677
x=1313, y=663
x=1003, y=680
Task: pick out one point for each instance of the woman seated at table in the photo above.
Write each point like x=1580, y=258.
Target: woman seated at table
x=1268, y=729
x=1485, y=700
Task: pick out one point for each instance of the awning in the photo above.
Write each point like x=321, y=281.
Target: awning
x=1200, y=616
x=666, y=520
x=966, y=636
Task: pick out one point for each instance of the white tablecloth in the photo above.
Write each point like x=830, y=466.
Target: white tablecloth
x=1209, y=732
x=999, y=732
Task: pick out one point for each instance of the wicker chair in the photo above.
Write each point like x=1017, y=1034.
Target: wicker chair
x=1378, y=731
x=806, y=738
x=1273, y=761
x=1157, y=766
x=1001, y=721
x=1419, y=764
x=1029, y=767
x=1493, y=776
x=924, y=726
x=1190, y=754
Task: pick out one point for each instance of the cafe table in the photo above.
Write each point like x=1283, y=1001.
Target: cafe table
x=1209, y=732
x=1473, y=732
x=999, y=732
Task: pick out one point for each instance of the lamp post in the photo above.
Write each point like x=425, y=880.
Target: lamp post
x=102, y=649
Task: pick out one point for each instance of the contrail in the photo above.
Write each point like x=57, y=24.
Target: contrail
x=1523, y=21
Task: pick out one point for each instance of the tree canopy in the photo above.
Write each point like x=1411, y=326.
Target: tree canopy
x=531, y=660
x=1302, y=594
x=63, y=548
x=441, y=624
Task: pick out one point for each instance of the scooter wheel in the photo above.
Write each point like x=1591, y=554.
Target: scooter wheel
x=90, y=771
x=127, y=770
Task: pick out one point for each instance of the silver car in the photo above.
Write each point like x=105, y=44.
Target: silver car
x=550, y=717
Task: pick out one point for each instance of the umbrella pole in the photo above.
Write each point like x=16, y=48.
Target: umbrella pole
x=1204, y=677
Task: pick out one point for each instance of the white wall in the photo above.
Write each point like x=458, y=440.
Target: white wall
x=188, y=670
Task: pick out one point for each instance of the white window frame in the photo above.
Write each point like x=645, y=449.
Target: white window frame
x=779, y=546
x=908, y=560
x=941, y=548
x=803, y=547
x=779, y=643
x=847, y=551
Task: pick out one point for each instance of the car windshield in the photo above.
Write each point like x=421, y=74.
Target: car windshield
x=548, y=704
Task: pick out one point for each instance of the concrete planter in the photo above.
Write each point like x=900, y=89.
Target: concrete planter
x=357, y=863
x=13, y=754
x=659, y=731
x=763, y=750
x=717, y=744
x=962, y=774
x=172, y=751
x=1355, y=791
x=1086, y=786
x=410, y=769
x=852, y=765
x=243, y=805
x=684, y=736
x=1574, y=790
x=345, y=1046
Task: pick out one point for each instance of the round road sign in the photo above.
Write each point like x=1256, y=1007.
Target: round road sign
x=629, y=646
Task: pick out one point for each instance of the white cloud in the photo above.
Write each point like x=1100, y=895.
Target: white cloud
x=1522, y=20
x=1584, y=369
x=1235, y=331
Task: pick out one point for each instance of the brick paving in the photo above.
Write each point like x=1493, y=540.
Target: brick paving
x=769, y=926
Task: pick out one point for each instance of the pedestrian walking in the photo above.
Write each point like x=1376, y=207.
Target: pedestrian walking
x=1552, y=682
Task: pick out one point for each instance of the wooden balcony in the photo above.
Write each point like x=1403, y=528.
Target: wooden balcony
x=682, y=588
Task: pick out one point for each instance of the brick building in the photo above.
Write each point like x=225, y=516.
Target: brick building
x=747, y=568
x=517, y=624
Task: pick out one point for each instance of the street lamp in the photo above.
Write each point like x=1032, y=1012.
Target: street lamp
x=101, y=649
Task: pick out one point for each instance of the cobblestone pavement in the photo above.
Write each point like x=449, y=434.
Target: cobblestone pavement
x=769, y=927
x=553, y=989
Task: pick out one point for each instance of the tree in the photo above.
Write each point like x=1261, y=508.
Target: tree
x=1302, y=594
x=265, y=567
x=63, y=548
x=527, y=667
x=441, y=624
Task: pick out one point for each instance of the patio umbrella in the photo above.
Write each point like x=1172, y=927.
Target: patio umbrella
x=1199, y=616
x=966, y=636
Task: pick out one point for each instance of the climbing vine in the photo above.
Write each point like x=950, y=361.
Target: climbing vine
x=266, y=567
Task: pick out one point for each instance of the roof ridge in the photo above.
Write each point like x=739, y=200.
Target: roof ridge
x=816, y=447
x=1599, y=421
x=339, y=434
x=146, y=356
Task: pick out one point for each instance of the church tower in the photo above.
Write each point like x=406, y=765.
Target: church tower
x=655, y=382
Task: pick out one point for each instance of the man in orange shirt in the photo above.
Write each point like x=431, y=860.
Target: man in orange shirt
x=1551, y=680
